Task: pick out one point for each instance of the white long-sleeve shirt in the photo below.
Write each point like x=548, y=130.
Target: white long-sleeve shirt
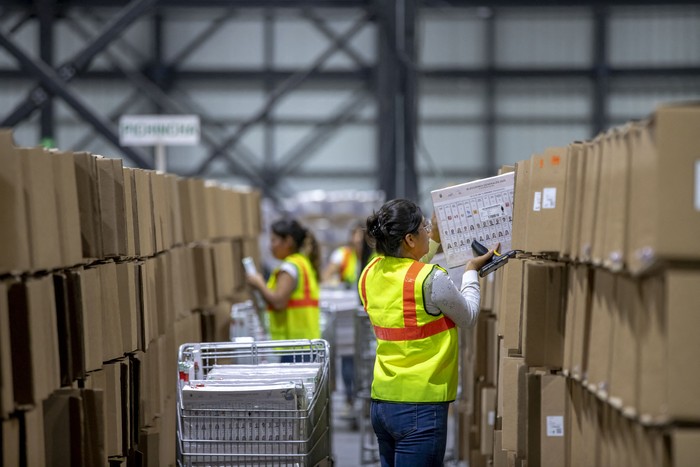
x=442, y=295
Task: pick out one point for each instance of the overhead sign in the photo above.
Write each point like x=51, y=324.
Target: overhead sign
x=156, y=130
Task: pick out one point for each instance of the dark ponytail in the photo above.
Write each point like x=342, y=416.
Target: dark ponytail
x=304, y=240
x=387, y=227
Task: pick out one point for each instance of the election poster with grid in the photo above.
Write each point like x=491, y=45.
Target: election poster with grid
x=480, y=210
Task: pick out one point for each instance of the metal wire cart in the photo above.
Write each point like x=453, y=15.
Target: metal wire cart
x=238, y=405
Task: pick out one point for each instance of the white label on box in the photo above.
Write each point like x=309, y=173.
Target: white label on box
x=537, y=204
x=549, y=198
x=491, y=418
x=555, y=425
x=697, y=185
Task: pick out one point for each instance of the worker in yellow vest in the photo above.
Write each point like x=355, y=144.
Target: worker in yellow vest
x=292, y=291
x=345, y=261
x=414, y=308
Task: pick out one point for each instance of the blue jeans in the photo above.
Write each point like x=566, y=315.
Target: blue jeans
x=410, y=434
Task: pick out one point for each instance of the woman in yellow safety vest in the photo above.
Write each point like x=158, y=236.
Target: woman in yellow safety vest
x=345, y=261
x=292, y=291
x=414, y=308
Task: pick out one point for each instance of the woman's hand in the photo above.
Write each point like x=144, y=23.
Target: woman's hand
x=435, y=233
x=256, y=281
x=477, y=263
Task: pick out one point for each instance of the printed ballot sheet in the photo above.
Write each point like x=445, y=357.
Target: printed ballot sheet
x=480, y=210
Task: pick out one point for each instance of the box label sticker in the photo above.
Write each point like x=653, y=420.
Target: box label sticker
x=549, y=198
x=491, y=418
x=555, y=425
x=537, y=203
x=697, y=185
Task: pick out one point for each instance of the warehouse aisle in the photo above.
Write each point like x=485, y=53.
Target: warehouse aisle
x=346, y=441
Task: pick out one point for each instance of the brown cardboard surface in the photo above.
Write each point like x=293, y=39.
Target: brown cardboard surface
x=173, y=194
x=573, y=192
x=488, y=419
x=14, y=244
x=41, y=309
x=616, y=223
x=235, y=207
x=499, y=455
x=186, y=209
x=664, y=188
x=67, y=205
x=204, y=275
x=685, y=447
x=521, y=207
x=512, y=305
x=88, y=204
x=604, y=198
x=42, y=214
x=74, y=311
x=199, y=210
x=682, y=299
x=111, y=220
x=145, y=245
x=130, y=214
x=10, y=432
x=127, y=277
x=180, y=279
x=34, y=440
x=553, y=434
x=63, y=428
x=93, y=407
x=211, y=206
x=580, y=173
x=547, y=200
x=157, y=211
x=583, y=283
x=569, y=319
x=543, y=306
x=113, y=408
x=91, y=300
x=164, y=295
x=601, y=331
x=65, y=331
x=7, y=401
x=582, y=424
x=514, y=416
x=624, y=355
x=589, y=202
x=111, y=317
x=222, y=258
x=149, y=314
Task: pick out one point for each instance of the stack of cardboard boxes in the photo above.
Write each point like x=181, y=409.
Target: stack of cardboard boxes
x=597, y=320
x=104, y=271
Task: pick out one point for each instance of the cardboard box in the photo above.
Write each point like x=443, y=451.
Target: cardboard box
x=685, y=447
x=234, y=205
x=547, y=200
x=665, y=188
x=7, y=397
x=143, y=226
x=211, y=206
x=180, y=283
x=521, y=199
x=67, y=205
x=222, y=257
x=543, y=311
x=548, y=434
x=624, y=366
x=614, y=247
x=204, y=275
x=129, y=305
x=580, y=329
x=157, y=195
x=667, y=388
x=64, y=327
x=111, y=316
x=34, y=340
x=34, y=439
x=91, y=306
x=42, y=213
x=109, y=380
x=164, y=294
x=589, y=202
x=173, y=195
x=14, y=244
x=64, y=428
x=572, y=196
x=487, y=420
x=10, y=432
x=130, y=214
x=149, y=302
x=603, y=199
x=512, y=305
x=601, y=331
x=582, y=425
x=514, y=415
x=251, y=212
x=88, y=205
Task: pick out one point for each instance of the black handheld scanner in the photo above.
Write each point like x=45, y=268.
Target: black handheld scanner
x=497, y=260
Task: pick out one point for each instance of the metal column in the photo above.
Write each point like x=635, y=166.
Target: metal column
x=396, y=97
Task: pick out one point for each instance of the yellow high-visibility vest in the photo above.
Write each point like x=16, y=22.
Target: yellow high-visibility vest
x=348, y=265
x=301, y=318
x=417, y=353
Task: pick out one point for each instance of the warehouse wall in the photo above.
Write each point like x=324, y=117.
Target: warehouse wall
x=528, y=111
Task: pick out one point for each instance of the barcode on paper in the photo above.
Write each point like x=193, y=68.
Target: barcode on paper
x=537, y=203
x=555, y=425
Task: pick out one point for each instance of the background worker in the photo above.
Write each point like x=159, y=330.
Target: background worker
x=344, y=263
x=414, y=308
x=292, y=291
